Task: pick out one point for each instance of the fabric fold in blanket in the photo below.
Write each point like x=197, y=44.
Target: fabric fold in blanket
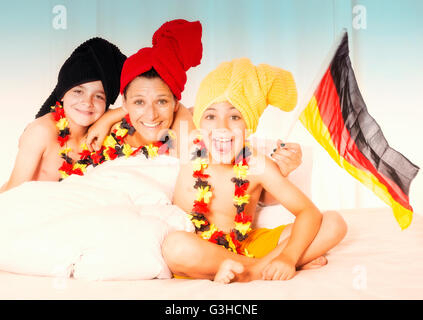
x=106, y=225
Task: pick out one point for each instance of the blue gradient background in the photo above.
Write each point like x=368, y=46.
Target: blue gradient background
x=293, y=34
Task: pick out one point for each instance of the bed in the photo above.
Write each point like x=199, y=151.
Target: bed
x=376, y=260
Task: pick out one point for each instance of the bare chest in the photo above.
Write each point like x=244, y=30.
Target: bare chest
x=221, y=206
x=51, y=161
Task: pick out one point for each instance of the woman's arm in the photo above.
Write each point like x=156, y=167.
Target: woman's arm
x=101, y=128
x=182, y=120
x=32, y=145
x=288, y=156
x=182, y=126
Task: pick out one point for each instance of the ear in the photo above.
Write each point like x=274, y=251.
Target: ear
x=176, y=107
x=124, y=104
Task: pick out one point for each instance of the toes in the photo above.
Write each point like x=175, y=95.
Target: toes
x=228, y=271
x=321, y=261
x=316, y=263
x=238, y=268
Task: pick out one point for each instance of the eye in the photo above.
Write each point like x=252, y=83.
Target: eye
x=162, y=101
x=101, y=97
x=235, y=117
x=77, y=91
x=210, y=117
x=138, y=102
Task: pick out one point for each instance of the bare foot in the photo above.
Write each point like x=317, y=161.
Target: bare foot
x=228, y=269
x=314, y=264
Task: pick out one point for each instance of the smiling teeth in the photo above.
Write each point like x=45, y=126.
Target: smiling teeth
x=223, y=140
x=151, y=125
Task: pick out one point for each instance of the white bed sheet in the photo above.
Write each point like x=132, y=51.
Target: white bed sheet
x=376, y=260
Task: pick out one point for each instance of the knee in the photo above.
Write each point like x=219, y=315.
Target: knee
x=335, y=226
x=176, y=248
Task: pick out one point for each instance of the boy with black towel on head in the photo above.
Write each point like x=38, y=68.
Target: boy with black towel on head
x=88, y=83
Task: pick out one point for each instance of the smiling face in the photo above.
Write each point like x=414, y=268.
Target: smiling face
x=151, y=107
x=85, y=103
x=224, y=131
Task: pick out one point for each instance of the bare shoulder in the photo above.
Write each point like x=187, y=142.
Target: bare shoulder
x=40, y=131
x=183, y=114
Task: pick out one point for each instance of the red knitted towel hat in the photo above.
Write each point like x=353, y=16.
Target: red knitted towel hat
x=176, y=48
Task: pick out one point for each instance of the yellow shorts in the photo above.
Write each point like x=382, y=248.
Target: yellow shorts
x=261, y=241
x=258, y=243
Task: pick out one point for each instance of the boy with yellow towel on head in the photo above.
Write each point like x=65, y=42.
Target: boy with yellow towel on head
x=221, y=186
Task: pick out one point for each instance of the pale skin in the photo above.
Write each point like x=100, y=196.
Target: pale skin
x=302, y=244
x=38, y=155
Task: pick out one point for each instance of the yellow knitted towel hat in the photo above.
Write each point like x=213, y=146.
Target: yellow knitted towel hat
x=248, y=88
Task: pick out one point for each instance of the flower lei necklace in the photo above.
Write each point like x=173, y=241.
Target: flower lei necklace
x=113, y=146
x=208, y=231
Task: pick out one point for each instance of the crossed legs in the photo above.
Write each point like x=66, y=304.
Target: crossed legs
x=188, y=255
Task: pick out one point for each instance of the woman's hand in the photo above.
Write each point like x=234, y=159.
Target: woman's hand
x=288, y=156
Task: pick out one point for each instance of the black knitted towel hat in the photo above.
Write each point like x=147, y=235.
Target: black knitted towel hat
x=95, y=59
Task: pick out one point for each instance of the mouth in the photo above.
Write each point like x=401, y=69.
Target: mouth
x=222, y=145
x=84, y=112
x=151, y=125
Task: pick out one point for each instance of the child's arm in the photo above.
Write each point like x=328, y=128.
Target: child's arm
x=288, y=157
x=101, y=128
x=305, y=227
x=32, y=144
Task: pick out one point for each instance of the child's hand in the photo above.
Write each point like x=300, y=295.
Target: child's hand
x=280, y=268
x=288, y=156
x=100, y=129
x=96, y=135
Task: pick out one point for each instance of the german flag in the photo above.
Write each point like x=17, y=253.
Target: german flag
x=338, y=119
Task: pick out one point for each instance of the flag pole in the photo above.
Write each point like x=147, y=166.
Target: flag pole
x=305, y=99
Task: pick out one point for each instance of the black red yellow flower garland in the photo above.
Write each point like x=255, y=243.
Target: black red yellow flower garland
x=208, y=231
x=113, y=146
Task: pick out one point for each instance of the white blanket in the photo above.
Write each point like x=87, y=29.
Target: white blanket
x=108, y=224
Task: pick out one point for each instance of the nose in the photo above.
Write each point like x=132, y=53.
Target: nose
x=221, y=128
x=87, y=99
x=222, y=124
x=151, y=112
